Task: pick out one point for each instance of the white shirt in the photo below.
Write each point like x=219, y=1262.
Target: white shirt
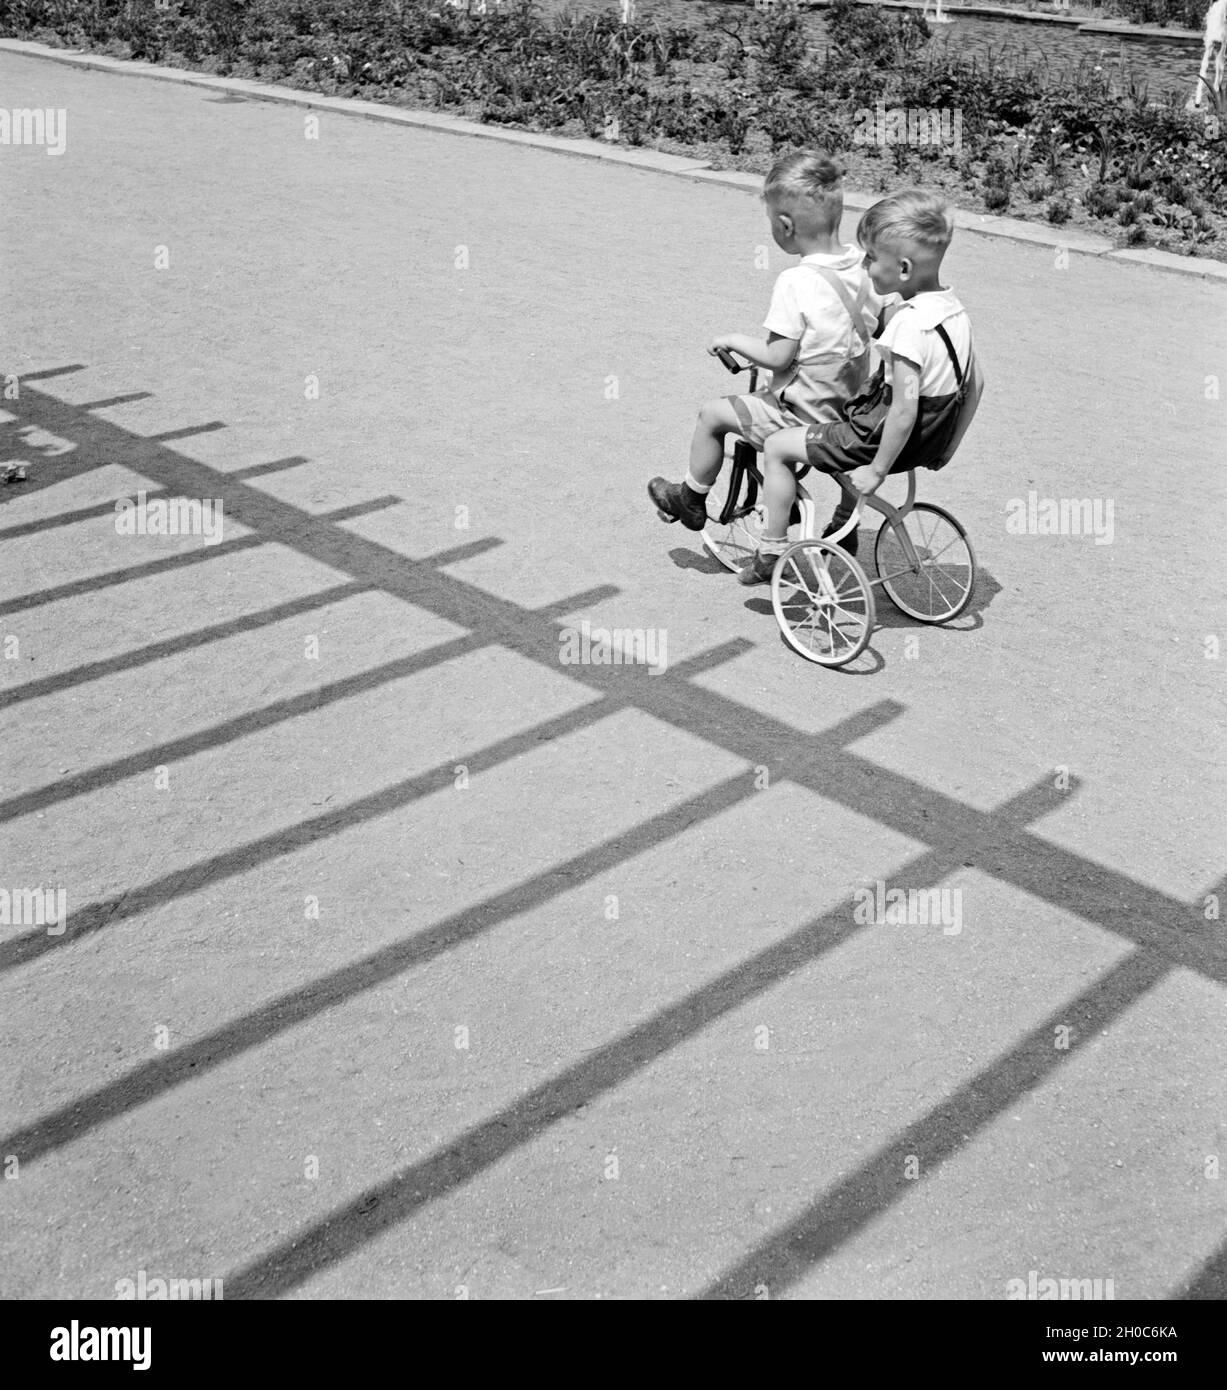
x=806, y=308
x=911, y=334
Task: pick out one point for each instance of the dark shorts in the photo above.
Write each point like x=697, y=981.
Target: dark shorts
x=838, y=448
x=834, y=448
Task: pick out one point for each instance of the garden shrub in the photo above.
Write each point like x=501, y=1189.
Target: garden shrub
x=750, y=86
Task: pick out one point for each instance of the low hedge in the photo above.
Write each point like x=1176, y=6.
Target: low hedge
x=1078, y=144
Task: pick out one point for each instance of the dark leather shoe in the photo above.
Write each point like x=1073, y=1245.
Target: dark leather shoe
x=850, y=542
x=759, y=570
x=675, y=502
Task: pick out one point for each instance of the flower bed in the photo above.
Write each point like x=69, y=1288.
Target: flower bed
x=1011, y=136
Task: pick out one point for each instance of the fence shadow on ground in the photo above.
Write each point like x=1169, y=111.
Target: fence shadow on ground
x=1167, y=934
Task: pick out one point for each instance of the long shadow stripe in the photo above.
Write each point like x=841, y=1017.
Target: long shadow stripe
x=250, y=622
x=48, y=372
x=60, y=519
x=93, y=917
x=316, y=536
x=241, y=726
x=1210, y=1281
x=165, y=564
x=110, y=402
x=233, y=862
x=182, y=559
x=154, y=1079
x=480, y=1147
x=174, y=646
x=878, y=1184
x=253, y=720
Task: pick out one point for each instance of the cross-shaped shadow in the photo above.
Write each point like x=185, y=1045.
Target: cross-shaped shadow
x=1165, y=932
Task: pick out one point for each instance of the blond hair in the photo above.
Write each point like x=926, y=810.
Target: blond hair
x=913, y=218
x=808, y=185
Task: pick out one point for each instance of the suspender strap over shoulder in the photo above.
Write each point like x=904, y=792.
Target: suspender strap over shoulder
x=954, y=359
x=855, y=307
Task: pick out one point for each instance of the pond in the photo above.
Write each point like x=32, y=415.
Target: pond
x=1169, y=66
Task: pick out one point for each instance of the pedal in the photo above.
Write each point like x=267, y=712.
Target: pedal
x=664, y=516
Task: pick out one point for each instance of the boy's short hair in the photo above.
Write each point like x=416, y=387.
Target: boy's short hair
x=808, y=185
x=911, y=217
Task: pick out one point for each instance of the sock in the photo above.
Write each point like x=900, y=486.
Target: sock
x=843, y=511
x=701, y=488
x=772, y=545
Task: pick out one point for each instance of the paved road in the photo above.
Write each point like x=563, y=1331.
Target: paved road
x=402, y=958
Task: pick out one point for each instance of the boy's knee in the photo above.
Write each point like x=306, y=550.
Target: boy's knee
x=720, y=416
x=778, y=451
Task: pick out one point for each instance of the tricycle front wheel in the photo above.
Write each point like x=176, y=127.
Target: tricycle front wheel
x=823, y=602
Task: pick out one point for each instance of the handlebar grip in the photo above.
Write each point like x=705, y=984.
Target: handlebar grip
x=729, y=360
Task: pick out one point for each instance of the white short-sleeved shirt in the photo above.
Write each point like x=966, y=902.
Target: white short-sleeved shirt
x=805, y=307
x=911, y=334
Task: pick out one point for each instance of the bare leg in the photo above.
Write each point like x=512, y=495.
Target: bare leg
x=779, y=493
x=782, y=450
x=788, y=447
x=716, y=419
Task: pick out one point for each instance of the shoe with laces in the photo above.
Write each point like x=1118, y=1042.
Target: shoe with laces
x=676, y=502
x=759, y=569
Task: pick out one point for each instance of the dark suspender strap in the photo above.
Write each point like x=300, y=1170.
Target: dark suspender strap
x=958, y=371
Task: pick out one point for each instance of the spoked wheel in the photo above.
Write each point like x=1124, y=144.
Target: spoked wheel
x=823, y=602
x=939, y=586
x=734, y=542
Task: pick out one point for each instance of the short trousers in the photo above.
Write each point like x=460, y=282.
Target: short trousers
x=834, y=448
x=761, y=415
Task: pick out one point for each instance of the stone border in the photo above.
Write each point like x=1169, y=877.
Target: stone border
x=1075, y=22
x=1014, y=229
